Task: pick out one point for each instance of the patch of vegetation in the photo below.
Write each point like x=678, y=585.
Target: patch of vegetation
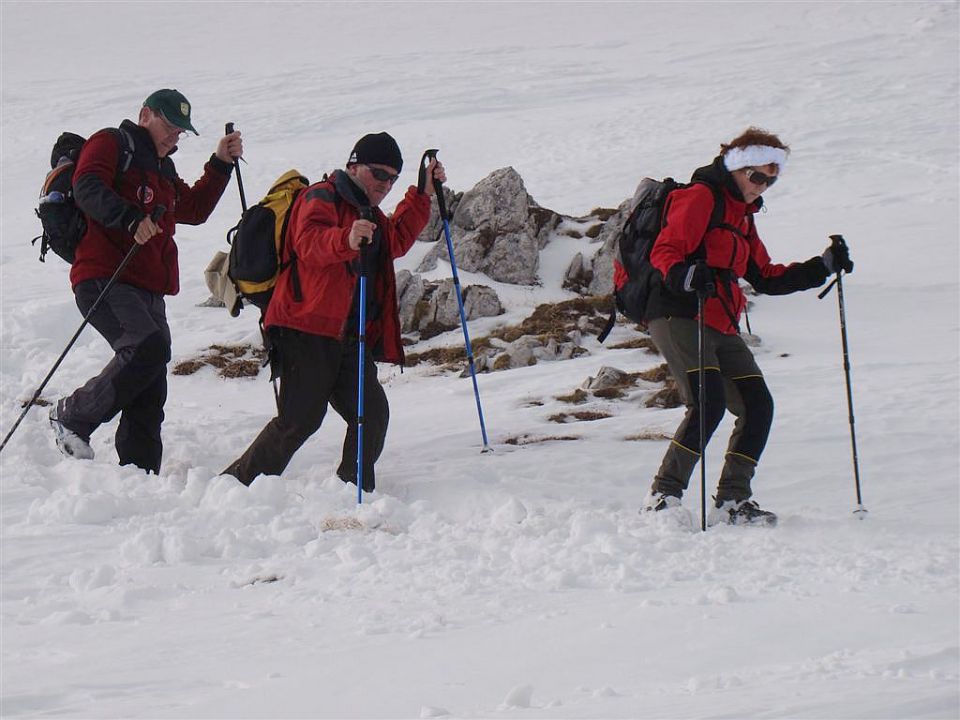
x=648, y=435
x=530, y=440
x=581, y=416
x=231, y=361
x=594, y=230
x=668, y=397
x=640, y=343
x=577, y=397
x=603, y=214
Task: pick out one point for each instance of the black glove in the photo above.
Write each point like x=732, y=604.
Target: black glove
x=837, y=256
x=700, y=278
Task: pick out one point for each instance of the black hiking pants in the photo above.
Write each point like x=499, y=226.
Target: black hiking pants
x=733, y=382
x=315, y=372
x=134, y=382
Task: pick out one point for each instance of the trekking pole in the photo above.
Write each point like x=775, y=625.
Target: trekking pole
x=442, y=207
x=243, y=206
x=236, y=164
x=157, y=213
x=366, y=214
x=702, y=400
x=837, y=240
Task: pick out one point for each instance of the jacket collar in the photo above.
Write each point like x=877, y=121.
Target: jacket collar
x=141, y=137
x=349, y=189
x=716, y=175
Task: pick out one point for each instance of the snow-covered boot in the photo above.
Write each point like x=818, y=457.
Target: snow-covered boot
x=740, y=512
x=664, y=506
x=68, y=442
x=657, y=501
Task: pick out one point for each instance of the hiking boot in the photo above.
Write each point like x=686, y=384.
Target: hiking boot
x=68, y=442
x=740, y=512
x=657, y=501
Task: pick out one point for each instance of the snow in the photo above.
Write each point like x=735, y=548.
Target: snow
x=520, y=583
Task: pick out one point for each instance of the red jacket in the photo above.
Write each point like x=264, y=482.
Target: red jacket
x=742, y=254
x=319, y=225
x=114, y=205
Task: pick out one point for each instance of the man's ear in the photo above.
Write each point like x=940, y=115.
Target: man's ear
x=145, y=114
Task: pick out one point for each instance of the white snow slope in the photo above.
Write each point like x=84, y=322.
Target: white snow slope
x=520, y=583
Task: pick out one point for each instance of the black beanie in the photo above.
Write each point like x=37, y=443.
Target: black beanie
x=377, y=149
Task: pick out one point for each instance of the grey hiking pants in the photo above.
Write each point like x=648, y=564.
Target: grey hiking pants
x=733, y=381
x=315, y=372
x=134, y=382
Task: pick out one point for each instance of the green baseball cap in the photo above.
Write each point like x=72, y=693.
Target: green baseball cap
x=174, y=106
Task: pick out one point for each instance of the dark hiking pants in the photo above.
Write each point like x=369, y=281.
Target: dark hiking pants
x=733, y=381
x=134, y=382
x=316, y=372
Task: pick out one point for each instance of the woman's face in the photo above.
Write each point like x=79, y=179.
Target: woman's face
x=752, y=181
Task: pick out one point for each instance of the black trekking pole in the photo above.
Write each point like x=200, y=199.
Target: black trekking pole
x=236, y=165
x=838, y=241
x=228, y=128
x=157, y=213
x=702, y=401
x=442, y=207
x=365, y=214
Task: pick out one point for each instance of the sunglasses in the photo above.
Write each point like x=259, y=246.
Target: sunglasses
x=759, y=178
x=382, y=175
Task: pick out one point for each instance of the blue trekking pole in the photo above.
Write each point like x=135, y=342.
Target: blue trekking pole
x=361, y=344
x=442, y=207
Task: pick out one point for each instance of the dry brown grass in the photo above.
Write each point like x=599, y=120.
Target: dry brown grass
x=577, y=397
x=646, y=435
x=603, y=214
x=668, y=397
x=231, y=361
x=531, y=440
x=580, y=416
x=39, y=402
x=640, y=343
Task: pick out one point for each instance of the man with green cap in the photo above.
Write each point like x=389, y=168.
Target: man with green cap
x=128, y=188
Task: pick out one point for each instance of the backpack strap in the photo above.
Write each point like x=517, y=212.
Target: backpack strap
x=292, y=261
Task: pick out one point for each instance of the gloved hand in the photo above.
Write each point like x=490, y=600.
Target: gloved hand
x=700, y=279
x=837, y=256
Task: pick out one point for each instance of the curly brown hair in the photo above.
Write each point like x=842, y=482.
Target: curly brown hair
x=753, y=136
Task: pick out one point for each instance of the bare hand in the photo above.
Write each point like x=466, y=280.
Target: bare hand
x=145, y=230
x=361, y=233
x=435, y=171
x=230, y=147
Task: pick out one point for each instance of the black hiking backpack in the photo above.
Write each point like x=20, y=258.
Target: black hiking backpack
x=635, y=279
x=63, y=222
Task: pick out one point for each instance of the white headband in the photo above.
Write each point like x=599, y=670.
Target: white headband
x=754, y=156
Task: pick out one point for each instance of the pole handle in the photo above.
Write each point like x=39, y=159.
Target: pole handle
x=428, y=156
x=228, y=128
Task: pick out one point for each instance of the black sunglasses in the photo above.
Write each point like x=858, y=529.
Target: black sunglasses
x=759, y=178
x=382, y=175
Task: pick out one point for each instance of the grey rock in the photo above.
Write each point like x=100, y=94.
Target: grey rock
x=499, y=230
x=606, y=377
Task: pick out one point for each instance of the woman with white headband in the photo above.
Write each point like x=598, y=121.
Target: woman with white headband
x=711, y=221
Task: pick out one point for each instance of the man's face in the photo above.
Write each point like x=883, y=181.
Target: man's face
x=376, y=180
x=164, y=134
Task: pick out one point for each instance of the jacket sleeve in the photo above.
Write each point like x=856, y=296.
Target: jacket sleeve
x=408, y=221
x=686, y=217
x=316, y=234
x=770, y=278
x=93, y=181
x=194, y=204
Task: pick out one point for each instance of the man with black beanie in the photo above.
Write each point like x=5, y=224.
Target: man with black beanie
x=313, y=315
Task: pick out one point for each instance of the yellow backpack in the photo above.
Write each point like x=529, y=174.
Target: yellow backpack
x=257, y=241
